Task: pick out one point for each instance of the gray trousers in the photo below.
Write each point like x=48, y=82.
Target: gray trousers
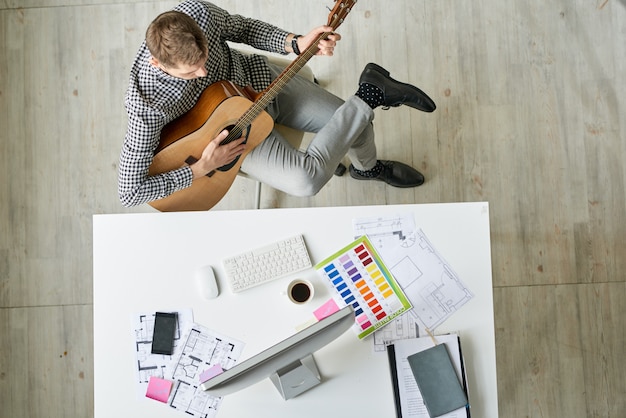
x=341, y=128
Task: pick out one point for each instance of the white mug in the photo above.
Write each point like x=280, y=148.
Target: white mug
x=300, y=291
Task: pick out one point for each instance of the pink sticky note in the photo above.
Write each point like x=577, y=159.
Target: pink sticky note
x=326, y=309
x=211, y=372
x=159, y=389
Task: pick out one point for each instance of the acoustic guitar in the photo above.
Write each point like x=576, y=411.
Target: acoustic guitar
x=224, y=106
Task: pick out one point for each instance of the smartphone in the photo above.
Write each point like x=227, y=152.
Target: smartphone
x=164, y=329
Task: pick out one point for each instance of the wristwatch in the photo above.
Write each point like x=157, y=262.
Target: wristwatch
x=294, y=44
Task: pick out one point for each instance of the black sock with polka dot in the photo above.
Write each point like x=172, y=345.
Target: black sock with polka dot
x=372, y=172
x=371, y=95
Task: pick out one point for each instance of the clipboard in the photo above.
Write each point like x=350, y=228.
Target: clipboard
x=437, y=380
x=408, y=399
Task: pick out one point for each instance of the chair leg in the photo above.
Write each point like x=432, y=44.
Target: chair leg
x=257, y=195
x=340, y=170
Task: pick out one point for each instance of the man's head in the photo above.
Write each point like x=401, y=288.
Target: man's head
x=178, y=45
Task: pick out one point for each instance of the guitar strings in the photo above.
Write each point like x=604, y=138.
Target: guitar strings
x=272, y=91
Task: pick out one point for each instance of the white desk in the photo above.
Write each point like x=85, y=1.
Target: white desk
x=144, y=262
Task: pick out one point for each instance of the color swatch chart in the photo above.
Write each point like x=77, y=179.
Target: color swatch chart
x=361, y=279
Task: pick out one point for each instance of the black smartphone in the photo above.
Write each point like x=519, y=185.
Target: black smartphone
x=164, y=329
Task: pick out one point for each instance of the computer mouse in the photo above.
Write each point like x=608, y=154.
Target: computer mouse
x=206, y=282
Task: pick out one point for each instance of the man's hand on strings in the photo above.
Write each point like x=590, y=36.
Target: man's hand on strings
x=216, y=155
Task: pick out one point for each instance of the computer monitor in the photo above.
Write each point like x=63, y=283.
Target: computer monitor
x=289, y=364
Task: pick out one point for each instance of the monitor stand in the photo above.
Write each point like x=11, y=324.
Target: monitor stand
x=297, y=378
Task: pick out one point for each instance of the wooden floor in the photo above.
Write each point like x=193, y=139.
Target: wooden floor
x=531, y=100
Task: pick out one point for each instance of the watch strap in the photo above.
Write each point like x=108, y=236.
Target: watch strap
x=294, y=44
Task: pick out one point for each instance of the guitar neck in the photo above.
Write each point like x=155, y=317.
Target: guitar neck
x=264, y=99
x=289, y=72
x=336, y=17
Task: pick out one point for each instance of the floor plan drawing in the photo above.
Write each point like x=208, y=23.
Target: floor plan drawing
x=148, y=364
x=402, y=328
x=201, y=349
x=430, y=283
x=385, y=232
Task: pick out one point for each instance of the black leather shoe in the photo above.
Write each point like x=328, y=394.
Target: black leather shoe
x=395, y=174
x=396, y=93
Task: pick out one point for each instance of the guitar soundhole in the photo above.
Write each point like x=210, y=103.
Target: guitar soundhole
x=233, y=133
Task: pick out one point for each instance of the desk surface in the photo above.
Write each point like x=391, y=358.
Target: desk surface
x=144, y=262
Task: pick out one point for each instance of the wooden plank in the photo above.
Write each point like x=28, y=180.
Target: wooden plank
x=46, y=361
x=557, y=350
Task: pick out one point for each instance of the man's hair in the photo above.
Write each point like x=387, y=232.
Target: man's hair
x=174, y=38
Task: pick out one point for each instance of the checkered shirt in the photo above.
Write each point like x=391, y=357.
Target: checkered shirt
x=155, y=98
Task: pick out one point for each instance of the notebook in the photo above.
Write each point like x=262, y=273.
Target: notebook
x=437, y=380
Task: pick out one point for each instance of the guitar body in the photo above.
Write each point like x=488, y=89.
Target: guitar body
x=220, y=106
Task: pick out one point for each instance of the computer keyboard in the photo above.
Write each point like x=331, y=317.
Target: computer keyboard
x=267, y=263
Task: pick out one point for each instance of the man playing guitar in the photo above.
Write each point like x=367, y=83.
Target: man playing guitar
x=186, y=50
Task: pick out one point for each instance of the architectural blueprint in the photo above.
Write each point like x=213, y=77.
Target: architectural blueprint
x=148, y=364
x=429, y=282
x=201, y=349
x=385, y=232
x=196, y=349
x=402, y=328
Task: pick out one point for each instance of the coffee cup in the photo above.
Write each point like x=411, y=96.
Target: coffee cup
x=300, y=291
